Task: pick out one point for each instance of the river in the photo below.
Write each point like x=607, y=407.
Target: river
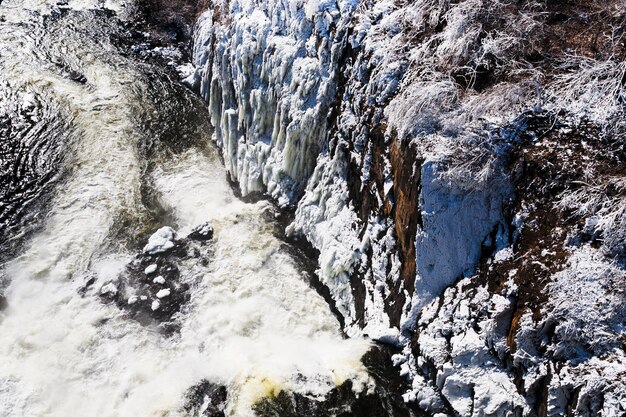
x=100, y=150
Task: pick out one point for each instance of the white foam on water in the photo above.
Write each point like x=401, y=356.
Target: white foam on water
x=194, y=187
x=259, y=326
x=253, y=323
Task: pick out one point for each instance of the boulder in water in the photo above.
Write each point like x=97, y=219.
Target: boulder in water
x=206, y=399
x=161, y=241
x=202, y=232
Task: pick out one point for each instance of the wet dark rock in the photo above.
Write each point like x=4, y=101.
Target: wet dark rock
x=206, y=400
x=202, y=232
x=162, y=33
x=341, y=401
x=172, y=19
x=89, y=280
x=159, y=295
x=77, y=77
x=151, y=288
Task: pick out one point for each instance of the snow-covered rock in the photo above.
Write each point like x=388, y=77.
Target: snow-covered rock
x=203, y=231
x=110, y=289
x=161, y=241
x=163, y=293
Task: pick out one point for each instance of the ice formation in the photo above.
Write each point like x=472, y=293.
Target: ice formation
x=403, y=135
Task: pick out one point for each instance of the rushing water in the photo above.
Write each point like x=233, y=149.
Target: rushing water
x=98, y=151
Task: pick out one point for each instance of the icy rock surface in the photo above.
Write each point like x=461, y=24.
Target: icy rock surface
x=161, y=241
x=572, y=353
x=400, y=133
x=276, y=76
x=446, y=245
x=270, y=81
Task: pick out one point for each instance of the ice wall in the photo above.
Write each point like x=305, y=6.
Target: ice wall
x=268, y=71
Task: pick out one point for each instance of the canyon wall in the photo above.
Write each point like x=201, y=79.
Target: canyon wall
x=460, y=167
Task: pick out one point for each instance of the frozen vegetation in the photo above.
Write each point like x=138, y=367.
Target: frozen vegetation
x=460, y=168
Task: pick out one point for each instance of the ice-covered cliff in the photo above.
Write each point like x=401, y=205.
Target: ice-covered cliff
x=460, y=167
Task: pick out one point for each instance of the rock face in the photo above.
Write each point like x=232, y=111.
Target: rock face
x=460, y=168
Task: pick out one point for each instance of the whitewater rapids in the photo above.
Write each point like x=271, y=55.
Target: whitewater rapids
x=252, y=324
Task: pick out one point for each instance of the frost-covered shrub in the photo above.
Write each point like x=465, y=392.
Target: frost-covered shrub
x=590, y=87
x=602, y=202
x=587, y=306
x=474, y=65
x=418, y=110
